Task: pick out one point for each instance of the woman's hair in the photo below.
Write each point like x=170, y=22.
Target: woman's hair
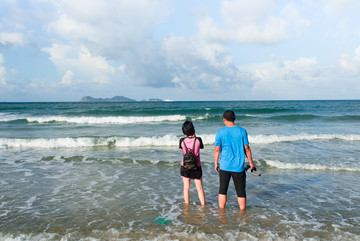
x=188, y=128
x=229, y=115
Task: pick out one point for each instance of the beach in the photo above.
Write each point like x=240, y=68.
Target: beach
x=111, y=171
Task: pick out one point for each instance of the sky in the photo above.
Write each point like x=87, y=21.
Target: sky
x=202, y=50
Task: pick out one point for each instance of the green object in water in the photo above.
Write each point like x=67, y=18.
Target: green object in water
x=162, y=221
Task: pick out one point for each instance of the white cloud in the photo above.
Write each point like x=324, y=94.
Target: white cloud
x=13, y=22
x=303, y=78
x=5, y=84
x=67, y=78
x=122, y=68
x=14, y=16
x=108, y=28
x=2, y=71
x=81, y=62
x=146, y=65
x=335, y=6
x=350, y=65
x=197, y=64
x=113, y=30
x=12, y=38
x=261, y=21
x=113, y=42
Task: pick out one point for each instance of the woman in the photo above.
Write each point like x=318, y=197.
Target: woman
x=185, y=145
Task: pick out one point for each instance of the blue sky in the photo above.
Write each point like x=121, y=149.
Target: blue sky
x=183, y=50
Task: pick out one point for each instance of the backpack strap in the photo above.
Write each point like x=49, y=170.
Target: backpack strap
x=185, y=145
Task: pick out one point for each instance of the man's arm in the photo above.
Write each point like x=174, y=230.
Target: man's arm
x=216, y=157
x=249, y=156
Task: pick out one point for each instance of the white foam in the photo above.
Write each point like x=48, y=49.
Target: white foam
x=107, y=120
x=30, y=202
x=308, y=166
x=9, y=117
x=46, y=142
x=269, y=139
x=5, y=213
x=37, y=237
x=161, y=141
x=98, y=120
x=206, y=116
x=76, y=142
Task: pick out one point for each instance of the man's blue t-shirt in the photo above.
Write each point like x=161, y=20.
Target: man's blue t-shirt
x=232, y=141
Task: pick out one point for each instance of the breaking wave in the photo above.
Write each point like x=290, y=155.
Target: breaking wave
x=270, y=139
x=98, y=120
x=308, y=166
x=157, y=141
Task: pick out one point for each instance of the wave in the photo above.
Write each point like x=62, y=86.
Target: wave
x=154, y=141
x=264, y=165
x=78, y=142
x=96, y=120
x=114, y=161
x=270, y=139
x=134, y=119
x=19, y=119
x=308, y=166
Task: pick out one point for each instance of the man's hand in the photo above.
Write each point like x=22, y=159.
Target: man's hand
x=249, y=157
x=216, y=157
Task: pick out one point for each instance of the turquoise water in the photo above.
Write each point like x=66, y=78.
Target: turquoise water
x=108, y=171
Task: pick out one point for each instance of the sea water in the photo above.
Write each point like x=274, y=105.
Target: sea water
x=110, y=171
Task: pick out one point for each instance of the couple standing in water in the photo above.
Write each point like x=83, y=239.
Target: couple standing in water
x=231, y=148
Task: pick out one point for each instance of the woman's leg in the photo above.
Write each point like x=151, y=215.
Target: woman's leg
x=186, y=189
x=200, y=190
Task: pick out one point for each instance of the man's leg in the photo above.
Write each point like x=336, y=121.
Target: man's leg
x=186, y=189
x=224, y=178
x=242, y=202
x=222, y=201
x=239, y=179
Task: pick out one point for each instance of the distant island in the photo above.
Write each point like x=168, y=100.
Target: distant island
x=154, y=100
x=117, y=99
x=113, y=99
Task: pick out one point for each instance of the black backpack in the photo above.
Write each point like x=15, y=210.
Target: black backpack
x=190, y=161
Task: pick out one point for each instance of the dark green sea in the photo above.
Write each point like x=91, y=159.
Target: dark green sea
x=110, y=171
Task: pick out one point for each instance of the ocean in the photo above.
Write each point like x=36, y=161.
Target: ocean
x=110, y=171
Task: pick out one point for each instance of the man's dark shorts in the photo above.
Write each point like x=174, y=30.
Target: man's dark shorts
x=191, y=174
x=239, y=179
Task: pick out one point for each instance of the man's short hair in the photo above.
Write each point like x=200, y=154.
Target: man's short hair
x=229, y=115
x=188, y=128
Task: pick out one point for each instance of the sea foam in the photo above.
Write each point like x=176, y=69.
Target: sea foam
x=308, y=166
x=98, y=120
x=76, y=142
x=157, y=141
x=269, y=139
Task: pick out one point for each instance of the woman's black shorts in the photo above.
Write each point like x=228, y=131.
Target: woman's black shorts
x=191, y=174
x=239, y=179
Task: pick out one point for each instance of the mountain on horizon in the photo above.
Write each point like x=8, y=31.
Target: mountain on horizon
x=113, y=99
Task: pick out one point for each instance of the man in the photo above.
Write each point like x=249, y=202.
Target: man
x=232, y=143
